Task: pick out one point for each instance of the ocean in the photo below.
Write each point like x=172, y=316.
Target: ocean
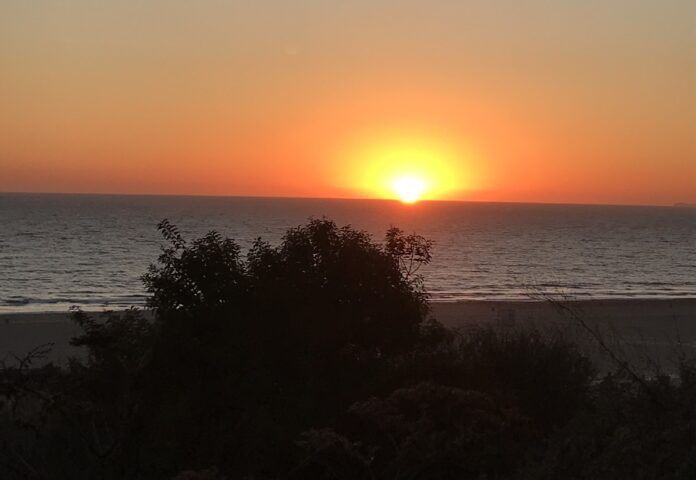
x=91, y=250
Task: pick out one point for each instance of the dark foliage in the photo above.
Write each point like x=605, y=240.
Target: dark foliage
x=256, y=350
x=315, y=359
x=542, y=375
x=421, y=432
x=625, y=433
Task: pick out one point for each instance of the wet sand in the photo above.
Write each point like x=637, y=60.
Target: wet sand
x=656, y=328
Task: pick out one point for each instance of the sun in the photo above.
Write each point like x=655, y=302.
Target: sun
x=408, y=166
x=409, y=189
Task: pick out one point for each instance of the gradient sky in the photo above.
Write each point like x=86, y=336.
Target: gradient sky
x=553, y=101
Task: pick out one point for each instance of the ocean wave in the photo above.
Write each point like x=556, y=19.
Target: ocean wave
x=125, y=300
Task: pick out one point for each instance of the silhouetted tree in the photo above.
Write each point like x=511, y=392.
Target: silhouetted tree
x=258, y=349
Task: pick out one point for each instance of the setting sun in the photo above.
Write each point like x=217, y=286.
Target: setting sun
x=408, y=167
x=409, y=188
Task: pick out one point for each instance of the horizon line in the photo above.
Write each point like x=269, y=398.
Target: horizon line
x=395, y=200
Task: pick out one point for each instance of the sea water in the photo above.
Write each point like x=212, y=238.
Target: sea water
x=91, y=250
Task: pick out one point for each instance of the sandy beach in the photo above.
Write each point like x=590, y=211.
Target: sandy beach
x=653, y=317
x=647, y=333
x=658, y=328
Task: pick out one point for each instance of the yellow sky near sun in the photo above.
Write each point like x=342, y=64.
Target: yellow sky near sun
x=499, y=100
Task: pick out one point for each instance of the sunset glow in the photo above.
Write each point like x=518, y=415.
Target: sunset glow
x=551, y=102
x=408, y=168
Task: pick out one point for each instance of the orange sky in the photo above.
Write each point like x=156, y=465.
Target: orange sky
x=566, y=101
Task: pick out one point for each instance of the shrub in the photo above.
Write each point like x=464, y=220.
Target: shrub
x=251, y=351
x=542, y=375
x=629, y=431
x=421, y=432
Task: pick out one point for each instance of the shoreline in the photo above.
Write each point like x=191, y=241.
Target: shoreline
x=441, y=306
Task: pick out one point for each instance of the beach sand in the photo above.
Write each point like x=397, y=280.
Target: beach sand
x=22, y=332
x=646, y=333
x=641, y=328
x=652, y=317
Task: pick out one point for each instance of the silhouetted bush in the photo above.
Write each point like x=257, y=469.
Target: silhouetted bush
x=421, y=432
x=258, y=349
x=542, y=375
x=628, y=432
